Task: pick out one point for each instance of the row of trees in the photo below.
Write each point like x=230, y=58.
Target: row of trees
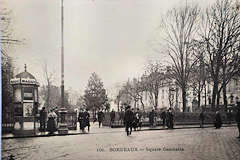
x=154, y=77
x=204, y=41
x=203, y=46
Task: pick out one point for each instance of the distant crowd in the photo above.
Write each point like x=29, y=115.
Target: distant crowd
x=131, y=118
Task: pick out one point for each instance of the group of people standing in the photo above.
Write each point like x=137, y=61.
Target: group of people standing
x=166, y=116
x=84, y=119
x=132, y=120
x=48, y=118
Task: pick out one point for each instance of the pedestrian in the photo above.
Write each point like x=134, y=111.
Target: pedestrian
x=86, y=119
x=167, y=119
x=151, y=117
x=43, y=119
x=80, y=119
x=201, y=118
x=171, y=118
x=218, y=120
x=139, y=119
x=163, y=117
x=135, y=120
x=238, y=118
x=121, y=117
x=51, y=123
x=101, y=116
x=128, y=120
x=229, y=116
x=112, y=118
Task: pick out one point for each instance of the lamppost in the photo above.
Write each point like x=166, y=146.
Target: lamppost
x=63, y=129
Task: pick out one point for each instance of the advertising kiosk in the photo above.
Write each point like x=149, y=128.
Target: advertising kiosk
x=26, y=102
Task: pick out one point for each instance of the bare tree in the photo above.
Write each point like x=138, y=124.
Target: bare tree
x=220, y=36
x=49, y=80
x=135, y=90
x=180, y=26
x=153, y=80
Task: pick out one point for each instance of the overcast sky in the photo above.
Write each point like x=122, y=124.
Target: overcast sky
x=110, y=37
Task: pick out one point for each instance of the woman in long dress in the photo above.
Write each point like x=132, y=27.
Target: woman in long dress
x=51, y=124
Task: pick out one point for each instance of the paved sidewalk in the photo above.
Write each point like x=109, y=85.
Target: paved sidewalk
x=179, y=144
x=94, y=129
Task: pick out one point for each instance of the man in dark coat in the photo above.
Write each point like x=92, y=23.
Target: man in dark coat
x=201, y=118
x=170, y=118
x=112, y=117
x=128, y=119
x=43, y=119
x=163, y=117
x=218, y=120
x=101, y=116
x=238, y=118
x=151, y=117
x=80, y=119
x=86, y=119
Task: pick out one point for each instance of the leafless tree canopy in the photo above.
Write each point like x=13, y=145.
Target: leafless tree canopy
x=220, y=35
x=180, y=26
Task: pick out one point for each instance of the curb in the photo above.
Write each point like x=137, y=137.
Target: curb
x=69, y=134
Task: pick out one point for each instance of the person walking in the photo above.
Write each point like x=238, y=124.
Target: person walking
x=163, y=117
x=43, y=119
x=86, y=119
x=218, y=120
x=238, y=118
x=101, y=116
x=112, y=118
x=201, y=118
x=51, y=123
x=128, y=120
x=80, y=120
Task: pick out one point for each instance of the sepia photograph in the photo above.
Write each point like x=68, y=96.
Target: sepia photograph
x=120, y=79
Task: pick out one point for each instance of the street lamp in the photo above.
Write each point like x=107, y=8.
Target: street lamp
x=63, y=129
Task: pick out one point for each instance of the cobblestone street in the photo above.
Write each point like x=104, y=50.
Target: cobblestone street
x=108, y=143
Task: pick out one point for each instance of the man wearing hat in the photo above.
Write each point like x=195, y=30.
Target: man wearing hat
x=128, y=119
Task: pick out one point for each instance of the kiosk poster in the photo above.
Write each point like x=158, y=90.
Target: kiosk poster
x=120, y=79
x=27, y=109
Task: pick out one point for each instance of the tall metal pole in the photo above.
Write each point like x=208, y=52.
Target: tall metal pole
x=62, y=56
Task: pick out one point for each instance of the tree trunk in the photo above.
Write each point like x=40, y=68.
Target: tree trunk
x=214, y=95
x=142, y=105
x=118, y=105
x=199, y=94
x=224, y=87
x=48, y=96
x=225, y=97
x=199, y=100
x=184, y=98
x=218, y=100
x=156, y=100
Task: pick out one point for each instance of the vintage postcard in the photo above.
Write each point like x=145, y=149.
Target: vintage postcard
x=120, y=79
